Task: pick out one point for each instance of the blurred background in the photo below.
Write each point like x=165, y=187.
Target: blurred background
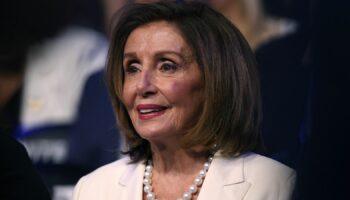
x=53, y=97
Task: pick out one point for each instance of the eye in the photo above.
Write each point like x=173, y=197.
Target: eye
x=131, y=67
x=168, y=67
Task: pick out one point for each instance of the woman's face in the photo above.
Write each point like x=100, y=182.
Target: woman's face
x=163, y=85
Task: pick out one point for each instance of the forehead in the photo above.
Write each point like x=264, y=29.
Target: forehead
x=159, y=35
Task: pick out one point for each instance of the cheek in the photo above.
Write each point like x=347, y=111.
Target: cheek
x=127, y=96
x=187, y=99
x=184, y=92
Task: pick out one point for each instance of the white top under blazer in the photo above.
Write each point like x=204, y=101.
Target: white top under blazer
x=247, y=177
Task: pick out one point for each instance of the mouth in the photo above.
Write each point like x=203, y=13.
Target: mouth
x=150, y=111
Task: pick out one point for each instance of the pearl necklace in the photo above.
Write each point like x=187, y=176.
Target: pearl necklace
x=193, y=189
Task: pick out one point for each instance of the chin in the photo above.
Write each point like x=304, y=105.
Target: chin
x=156, y=135
x=150, y=134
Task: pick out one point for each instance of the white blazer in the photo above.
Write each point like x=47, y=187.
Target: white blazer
x=246, y=177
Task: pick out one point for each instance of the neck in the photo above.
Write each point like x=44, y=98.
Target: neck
x=174, y=159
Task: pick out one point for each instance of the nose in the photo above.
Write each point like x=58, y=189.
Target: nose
x=145, y=86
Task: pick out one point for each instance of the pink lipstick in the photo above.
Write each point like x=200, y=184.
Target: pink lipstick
x=150, y=111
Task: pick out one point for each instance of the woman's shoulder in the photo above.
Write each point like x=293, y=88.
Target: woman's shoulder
x=113, y=169
x=256, y=167
x=257, y=163
x=265, y=176
x=252, y=158
x=268, y=177
x=103, y=183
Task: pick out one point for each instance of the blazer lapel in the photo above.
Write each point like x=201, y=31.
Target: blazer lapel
x=225, y=179
x=131, y=182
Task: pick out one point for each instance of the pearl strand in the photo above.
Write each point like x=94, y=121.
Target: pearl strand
x=193, y=189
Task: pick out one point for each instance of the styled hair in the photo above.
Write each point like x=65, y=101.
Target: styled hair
x=230, y=116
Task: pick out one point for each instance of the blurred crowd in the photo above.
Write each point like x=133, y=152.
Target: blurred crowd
x=54, y=101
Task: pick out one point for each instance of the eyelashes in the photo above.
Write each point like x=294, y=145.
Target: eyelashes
x=131, y=67
x=169, y=67
x=164, y=65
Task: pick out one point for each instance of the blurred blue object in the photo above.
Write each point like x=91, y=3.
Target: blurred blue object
x=94, y=139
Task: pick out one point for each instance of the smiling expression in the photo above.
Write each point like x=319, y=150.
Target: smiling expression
x=163, y=86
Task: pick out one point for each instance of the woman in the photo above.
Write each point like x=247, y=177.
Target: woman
x=184, y=87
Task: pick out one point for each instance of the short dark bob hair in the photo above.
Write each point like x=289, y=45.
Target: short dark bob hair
x=230, y=116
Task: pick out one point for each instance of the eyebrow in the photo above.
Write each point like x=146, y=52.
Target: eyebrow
x=132, y=55
x=161, y=53
x=157, y=54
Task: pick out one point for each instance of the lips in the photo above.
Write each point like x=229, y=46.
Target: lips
x=150, y=111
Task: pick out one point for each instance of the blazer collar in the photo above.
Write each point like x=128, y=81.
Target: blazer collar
x=131, y=181
x=225, y=179
x=230, y=170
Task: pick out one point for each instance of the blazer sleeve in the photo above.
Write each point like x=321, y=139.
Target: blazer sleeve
x=287, y=187
x=78, y=188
